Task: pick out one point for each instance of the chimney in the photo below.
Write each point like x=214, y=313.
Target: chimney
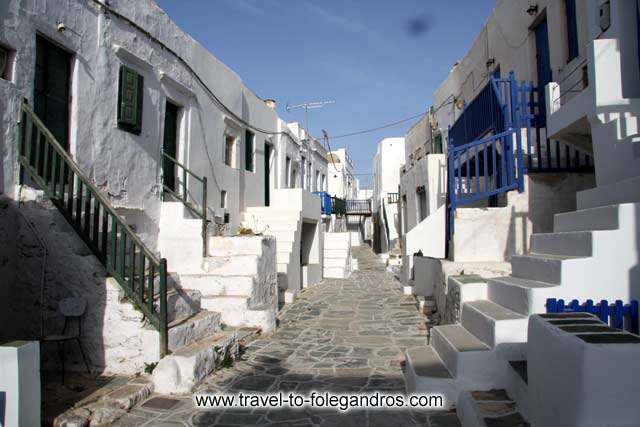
x=271, y=103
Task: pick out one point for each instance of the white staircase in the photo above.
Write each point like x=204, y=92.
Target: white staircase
x=338, y=261
x=285, y=225
x=236, y=286
x=590, y=255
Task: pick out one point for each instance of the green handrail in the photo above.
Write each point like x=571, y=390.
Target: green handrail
x=183, y=197
x=124, y=255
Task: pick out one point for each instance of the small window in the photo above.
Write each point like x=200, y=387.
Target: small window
x=229, y=150
x=130, y=87
x=248, y=150
x=572, y=29
x=223, y=199
x=227, y=218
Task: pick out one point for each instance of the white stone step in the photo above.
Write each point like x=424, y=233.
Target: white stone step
x=181, y=304
x=282, y=236
x=463, y=354
x=202, y=325
x=183, y=369
x=470, y=287
x=338, y=238
x=574, y=243
x=238, y=245
x=236, y=265
x=336, y=262
x=540, y=267
x=517, y=389
x=521, y=295
x=335, y=253
x=425, y=373
x=625, y=191
x=210, y=285
x=494, y=324
x=235, y=311
x=335, y=273
x=601, y=218
x=490, y=408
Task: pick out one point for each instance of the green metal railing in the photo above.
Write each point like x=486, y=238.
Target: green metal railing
x=183, y=196
x=142, y=276
x=338, y=206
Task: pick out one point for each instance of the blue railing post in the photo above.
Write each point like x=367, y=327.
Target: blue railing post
x=517, y=114
x=452, y=186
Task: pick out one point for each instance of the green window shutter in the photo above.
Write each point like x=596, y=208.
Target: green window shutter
x=130, y=88
x=248, y=150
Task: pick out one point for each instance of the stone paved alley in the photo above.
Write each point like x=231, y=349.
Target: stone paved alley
x=339, y=336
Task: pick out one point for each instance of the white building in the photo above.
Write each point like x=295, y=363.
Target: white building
x=137, y=166
x=387, y=162
x=342, y=182
x=571, y=232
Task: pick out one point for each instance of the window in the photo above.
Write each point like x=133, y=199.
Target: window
x=572, y=29
x=422, y=200
x=317, y=181
x=249, y=138
x=130, y=87
x=223, y=199
x=437, y=144
x=287, y=171
x=323, y=187
x=303, y=172
x=229, y=150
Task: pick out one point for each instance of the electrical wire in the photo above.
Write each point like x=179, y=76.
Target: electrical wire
x=388, y=125
x=216, y=100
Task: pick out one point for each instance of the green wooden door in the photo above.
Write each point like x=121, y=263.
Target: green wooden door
x=169, y=145
x=51, y=88
x=267, y=173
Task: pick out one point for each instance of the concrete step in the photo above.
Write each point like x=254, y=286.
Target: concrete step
x=202, y=325
x=625, y=191
x=425, y=373
x=211, y=285
x=521, y=295
x=494, y=324
x=336, y=262
x=335, y=253
x=245, y=265
x=463, y=354
x=601, y=218
x=236, y=245
x=516, y=385
x=335, y=273
x=181, y=304
x=573, y=243
x=540, y=267
x=186, y=367
x=235, y=311
x=482, y=408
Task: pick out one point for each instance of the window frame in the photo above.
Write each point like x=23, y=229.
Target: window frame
x=232, y=157
x=134, y=127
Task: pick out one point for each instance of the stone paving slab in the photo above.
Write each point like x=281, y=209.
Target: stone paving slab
x=342, y=335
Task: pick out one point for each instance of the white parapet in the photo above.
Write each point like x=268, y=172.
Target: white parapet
x=583, y=374
x=20, y=384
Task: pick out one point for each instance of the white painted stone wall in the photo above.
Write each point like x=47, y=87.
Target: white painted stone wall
x=387, y=162
x=20, y=383
x=342, y=182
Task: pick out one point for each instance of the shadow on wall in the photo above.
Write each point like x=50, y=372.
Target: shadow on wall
x=518, y=237
x=30, y=300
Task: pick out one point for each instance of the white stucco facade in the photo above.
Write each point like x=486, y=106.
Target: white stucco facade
x=342, y=182
x=389, y=158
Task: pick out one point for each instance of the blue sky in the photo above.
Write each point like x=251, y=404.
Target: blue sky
x=379, y=60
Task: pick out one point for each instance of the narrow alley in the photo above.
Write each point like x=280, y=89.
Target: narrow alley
x=341, y=336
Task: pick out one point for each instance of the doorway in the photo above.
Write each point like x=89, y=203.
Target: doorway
x=52, y=88
x=170, y=146
x=268, y=150
x=543, y=65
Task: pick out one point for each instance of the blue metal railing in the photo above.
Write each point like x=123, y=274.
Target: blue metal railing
x=611, y=314
x=487, y=167
x=325, y=202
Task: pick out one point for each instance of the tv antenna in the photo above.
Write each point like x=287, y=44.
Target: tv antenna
x=308, y=106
